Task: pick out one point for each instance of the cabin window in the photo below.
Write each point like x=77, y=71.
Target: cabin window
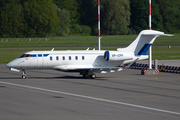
x=39, y=55
x=69, y=57
x=76, y=57
x=83, y=58
x=57, y=58
x=51, y=58
x=63, y=58
x=33, y=55
x=45, y=55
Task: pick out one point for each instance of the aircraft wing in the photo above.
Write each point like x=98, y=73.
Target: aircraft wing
x=77, y=68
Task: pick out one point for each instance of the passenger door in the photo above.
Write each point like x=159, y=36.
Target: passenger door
x=40, y=60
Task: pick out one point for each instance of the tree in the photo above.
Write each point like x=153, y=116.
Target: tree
x=115, y=15
x=140, y=15
x=12, y=21
x=88, y=14
x=157, y=18
x=6, y=2
x=40, y=17
x=170, y=10
x=64, y=17
x=28, y=18
x=71, y=6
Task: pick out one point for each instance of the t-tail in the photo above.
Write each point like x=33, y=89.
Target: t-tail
x=141, y=44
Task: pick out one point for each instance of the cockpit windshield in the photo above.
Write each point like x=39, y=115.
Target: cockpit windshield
x=25, y=55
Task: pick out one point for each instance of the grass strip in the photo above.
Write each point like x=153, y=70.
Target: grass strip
x=109, y=40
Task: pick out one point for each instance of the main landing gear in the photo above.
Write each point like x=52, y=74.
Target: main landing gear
x=24, y=74
x=88, y=75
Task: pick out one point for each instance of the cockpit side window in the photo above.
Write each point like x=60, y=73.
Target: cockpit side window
x=28, y=55
x=25, y=55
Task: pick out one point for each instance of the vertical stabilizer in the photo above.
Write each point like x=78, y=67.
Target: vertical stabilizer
x=142, y=43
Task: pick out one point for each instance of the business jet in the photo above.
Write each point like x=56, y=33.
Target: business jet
x=87, y=62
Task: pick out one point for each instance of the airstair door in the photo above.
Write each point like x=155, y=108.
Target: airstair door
x=40, y=60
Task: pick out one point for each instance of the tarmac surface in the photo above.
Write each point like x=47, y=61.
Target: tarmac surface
x=125, y=95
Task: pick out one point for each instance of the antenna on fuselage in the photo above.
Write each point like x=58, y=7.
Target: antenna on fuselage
x=87, y=49
x=52, y=49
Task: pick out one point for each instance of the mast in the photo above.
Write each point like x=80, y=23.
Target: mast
x=99, y=42
x=150, y=48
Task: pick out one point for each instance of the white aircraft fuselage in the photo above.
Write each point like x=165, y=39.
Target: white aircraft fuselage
x=68, y=60
x=87, y=62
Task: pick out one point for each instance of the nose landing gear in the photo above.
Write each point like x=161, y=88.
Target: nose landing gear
x=24, y=74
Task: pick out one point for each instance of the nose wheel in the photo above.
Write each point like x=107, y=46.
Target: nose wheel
x=24, y=74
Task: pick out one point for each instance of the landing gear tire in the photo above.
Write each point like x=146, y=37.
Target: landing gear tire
x=93, y=76
x=23, y=74
x=24, y=77
x=87, y=76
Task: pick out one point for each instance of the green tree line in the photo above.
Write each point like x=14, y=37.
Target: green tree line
x=40, y=18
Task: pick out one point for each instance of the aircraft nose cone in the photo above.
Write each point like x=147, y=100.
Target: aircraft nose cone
x=8, y=65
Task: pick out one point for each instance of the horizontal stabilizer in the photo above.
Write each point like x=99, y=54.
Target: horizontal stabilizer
x=158, y=34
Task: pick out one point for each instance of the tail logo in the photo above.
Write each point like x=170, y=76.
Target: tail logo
x=144, y=49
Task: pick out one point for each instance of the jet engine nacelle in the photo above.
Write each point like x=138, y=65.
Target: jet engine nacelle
x=116, y=56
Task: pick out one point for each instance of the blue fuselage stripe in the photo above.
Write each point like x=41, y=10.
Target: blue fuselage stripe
x=39, y=55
